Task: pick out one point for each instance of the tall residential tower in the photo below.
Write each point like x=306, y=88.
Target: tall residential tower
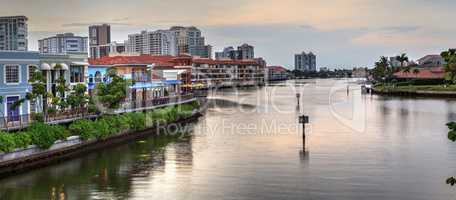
x=305, y=62
x=13, y=33
x=99, y=38
x=190, y=41
x=161, y=42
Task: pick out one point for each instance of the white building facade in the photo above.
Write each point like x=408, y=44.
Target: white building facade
x=63, y=43
x=161, y=42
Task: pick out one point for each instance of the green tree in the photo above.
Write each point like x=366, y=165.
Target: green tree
x=416, y=71
x=451, y=136
x=78, y=98
x=112, y=93
x=39, y=91
x=402, y=58
x=381, y=71
x=450, y=66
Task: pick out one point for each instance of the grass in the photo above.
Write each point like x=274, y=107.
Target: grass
x=414, y=88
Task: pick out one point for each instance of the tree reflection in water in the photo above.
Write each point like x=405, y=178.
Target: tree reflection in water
x=105, y=174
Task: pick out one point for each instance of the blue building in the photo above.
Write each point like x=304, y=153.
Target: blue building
x=16, y=68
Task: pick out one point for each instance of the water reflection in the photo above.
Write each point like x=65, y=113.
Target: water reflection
x=402, y=153
x=106, y=174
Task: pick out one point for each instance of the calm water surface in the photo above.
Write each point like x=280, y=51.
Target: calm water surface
x=248, y=146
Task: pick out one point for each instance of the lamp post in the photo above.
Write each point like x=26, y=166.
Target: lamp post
x=298, y=96
x=303, y=119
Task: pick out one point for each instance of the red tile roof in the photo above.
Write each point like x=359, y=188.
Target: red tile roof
x=165, y=61
x=142, y=59
x=224, y=62
x=277, y=69
x=424, y=73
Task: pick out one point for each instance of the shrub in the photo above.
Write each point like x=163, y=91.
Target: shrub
x=137, y=120
x=6, y=142
x=44, y=135
x=60, y=132
x=101, y=129
x=22, y=139
x=84, y=128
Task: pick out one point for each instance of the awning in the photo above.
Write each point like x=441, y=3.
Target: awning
x=80, y=63
x=145, y=85
x=172, y=82
x=45, y=66
x=63, y=66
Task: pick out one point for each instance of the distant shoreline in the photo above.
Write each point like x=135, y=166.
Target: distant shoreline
x=415, y=93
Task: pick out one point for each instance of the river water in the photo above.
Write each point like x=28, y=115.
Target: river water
x=249, y=146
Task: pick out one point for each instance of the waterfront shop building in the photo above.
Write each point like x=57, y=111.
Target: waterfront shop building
x=277, y=73
x=72, y=67
x=153, y=77
x=16, y=69
x=227, y=73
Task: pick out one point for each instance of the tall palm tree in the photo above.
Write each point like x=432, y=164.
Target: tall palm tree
x=416, y=71
x=402, y=58
x=381, y=68
x=406, y=69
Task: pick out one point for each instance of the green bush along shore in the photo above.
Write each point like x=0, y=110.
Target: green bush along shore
x=44, y=135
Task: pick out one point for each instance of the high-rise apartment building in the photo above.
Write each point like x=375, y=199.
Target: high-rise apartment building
x=99, y=37
x=13, y=33
x=63, y=43
x=243, y=52
x=246, y=51
x=190, y=41
x=305, y=62
x=161, y=42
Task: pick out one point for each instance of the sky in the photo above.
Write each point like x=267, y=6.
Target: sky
x=342, y=33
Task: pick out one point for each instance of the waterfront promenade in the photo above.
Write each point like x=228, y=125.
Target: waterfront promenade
x=77, y=114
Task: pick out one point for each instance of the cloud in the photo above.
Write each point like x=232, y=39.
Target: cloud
x=121, y=19
x=401, y=29
x=307, y=27
x=79, y=24
x=399, y=40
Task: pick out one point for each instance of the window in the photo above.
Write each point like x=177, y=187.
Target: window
x=31, y=71
x=12, y=74
x=32, y=106
x=76, y=74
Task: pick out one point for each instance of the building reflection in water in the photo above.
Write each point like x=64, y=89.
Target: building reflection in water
x=106, y=174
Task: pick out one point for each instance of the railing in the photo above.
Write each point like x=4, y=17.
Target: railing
x=22, y=121
x=144, y=104
x=69, y=114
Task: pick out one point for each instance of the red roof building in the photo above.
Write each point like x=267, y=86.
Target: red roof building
x=423, y=73
x=276, y=73
x=212, y=72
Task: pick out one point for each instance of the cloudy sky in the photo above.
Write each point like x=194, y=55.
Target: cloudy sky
x=343, y=33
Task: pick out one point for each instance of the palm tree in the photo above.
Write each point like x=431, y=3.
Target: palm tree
x=381, y=68
x=402, y=58
x=407, y=69
x=416, y=71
